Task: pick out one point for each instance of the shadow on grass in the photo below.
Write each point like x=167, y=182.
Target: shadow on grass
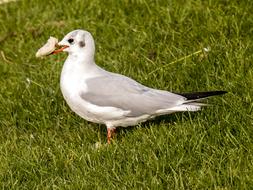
x=164, y=119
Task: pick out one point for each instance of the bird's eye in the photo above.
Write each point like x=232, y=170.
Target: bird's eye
x=70, y=40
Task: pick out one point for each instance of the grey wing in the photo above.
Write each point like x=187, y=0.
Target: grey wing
x=124, y=93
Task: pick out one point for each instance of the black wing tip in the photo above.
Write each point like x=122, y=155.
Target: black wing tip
x=199, y=95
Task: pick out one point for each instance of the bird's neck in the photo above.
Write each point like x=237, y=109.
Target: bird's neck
x=87, y=57
x=82, y=63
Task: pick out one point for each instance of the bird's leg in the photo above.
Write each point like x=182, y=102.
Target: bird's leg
x=110, y=134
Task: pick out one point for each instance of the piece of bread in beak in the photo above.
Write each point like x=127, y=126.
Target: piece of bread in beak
x=48, y=48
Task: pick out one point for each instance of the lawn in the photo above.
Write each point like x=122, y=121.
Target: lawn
x=44, y=145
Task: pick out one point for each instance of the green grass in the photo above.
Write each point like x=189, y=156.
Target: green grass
x=44, y=145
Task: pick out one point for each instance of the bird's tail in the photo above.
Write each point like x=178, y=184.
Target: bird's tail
x=192, y=103
x=195, y=96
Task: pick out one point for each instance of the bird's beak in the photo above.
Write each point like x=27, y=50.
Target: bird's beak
x=60, y=49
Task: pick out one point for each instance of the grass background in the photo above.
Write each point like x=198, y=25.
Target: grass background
x=43, y=145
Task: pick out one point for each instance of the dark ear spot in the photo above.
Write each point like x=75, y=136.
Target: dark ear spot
x=82, y=44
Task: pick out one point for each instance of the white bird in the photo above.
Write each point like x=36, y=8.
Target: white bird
x=112, y=99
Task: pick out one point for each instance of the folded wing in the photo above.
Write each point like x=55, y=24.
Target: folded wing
x=126, y=94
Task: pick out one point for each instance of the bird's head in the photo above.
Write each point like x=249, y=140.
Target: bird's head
x=77, y=42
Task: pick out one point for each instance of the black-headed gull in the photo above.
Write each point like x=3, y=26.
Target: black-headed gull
x=112, y=99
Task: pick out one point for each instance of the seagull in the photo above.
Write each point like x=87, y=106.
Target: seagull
x=109, y=98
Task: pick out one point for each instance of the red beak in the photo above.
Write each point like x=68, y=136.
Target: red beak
x=61, y=48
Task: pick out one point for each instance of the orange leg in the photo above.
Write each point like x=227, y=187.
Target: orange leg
x=110, y=134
